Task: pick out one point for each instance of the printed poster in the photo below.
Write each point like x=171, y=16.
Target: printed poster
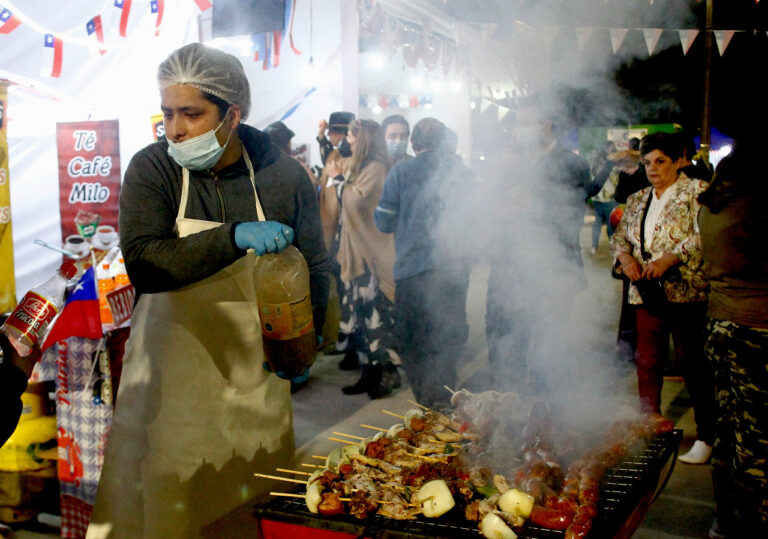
x=7, y=279
x=89, y=172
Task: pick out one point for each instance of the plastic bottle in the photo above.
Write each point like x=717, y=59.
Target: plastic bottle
x=285, y=309
x=106, y=285
x=29, y=320
x=120, y=274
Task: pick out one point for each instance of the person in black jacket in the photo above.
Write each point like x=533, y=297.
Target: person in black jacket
x=14, y=373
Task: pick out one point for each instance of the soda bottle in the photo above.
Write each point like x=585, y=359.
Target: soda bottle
x=106, y=285
x=285, y=310
x=29, y=320
x=120, y=274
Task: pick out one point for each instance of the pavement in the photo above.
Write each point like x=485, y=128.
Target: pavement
x=684, y=509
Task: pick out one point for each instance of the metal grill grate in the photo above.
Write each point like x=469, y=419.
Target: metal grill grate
x=624, y=487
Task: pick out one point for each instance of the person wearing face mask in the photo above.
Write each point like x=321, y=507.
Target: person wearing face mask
x=197, y=414
x=396, y=133
x=336, y=139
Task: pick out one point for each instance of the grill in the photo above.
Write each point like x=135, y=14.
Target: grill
x=626, y=493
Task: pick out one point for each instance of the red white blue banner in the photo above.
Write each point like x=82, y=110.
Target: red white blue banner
x=56, y=55
x=157, y=7
x=125, y=11
x=94, y=28
x=8, y=21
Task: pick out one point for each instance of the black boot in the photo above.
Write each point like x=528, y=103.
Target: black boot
x=350, y=361
x=371, y=378
x=389, y=380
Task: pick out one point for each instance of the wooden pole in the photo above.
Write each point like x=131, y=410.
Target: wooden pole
x=705, y=113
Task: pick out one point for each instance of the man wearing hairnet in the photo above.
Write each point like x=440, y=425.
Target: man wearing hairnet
x=196, y=413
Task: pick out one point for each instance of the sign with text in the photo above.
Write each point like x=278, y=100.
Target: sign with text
x=89, y=171
x=121, y=304
x=158, y=128
x=7, y=279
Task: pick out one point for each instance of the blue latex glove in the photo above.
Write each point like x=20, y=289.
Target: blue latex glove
x=303, y=377
x=263, y=236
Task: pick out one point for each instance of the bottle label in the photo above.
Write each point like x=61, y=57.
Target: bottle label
x=32, y=316
x=284, y=321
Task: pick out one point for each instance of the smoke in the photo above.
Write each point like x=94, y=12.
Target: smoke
x=523, y=213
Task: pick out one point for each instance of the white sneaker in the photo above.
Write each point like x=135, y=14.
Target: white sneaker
x=698, y=454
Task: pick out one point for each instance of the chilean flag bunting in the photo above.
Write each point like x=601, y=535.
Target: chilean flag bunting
x=157, y=7
x=57, y=47
x=8, y=21
x=125, y=8
x=94, y=28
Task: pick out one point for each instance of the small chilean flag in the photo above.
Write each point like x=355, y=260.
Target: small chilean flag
x=125, y=7
x=94, y=27
x=8, y=21
x=157, y=6
x=56, y=44
x=80, y=315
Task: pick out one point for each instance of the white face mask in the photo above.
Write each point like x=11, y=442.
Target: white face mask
x=200, y=152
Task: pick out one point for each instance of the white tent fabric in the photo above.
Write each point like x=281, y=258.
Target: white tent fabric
x=121, y=85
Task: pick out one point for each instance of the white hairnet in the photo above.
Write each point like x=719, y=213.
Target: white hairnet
x=209, y=70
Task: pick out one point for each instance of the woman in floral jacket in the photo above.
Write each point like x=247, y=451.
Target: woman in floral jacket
x=665, y=216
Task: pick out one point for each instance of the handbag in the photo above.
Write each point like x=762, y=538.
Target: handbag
x=651, y=290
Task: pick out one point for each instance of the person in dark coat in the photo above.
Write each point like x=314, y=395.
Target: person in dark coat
x=418, y=204
x=14, y=373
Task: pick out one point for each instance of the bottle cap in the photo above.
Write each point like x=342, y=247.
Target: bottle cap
x=68, y=269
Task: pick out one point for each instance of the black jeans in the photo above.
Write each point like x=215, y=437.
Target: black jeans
x=431, y=329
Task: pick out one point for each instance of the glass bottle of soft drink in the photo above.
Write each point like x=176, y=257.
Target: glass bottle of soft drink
x=29, y=320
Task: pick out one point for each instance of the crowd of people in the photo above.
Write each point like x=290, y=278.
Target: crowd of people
x=393, y=234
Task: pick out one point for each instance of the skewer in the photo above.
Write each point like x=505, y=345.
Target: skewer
x=350, y=436
x=317, y=466
x=319, y=457
x=451, y=390
x=347, y=442
x=288, y=495
x=419, y=405
x=291, y=495
x=292, y=471
x=424, y=457
x=393, y=414
x=290, y=480
x=372, y=427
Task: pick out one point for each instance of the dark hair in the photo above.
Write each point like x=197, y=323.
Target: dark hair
x=395, y=119
x=634, y=143
x=428, y=134
x=280, y=135
x=222, y=105
x=667, y=143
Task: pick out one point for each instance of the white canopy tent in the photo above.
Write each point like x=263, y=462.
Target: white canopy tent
x=120, y=84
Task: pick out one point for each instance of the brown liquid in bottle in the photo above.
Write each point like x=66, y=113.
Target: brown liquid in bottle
x=285, y=308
